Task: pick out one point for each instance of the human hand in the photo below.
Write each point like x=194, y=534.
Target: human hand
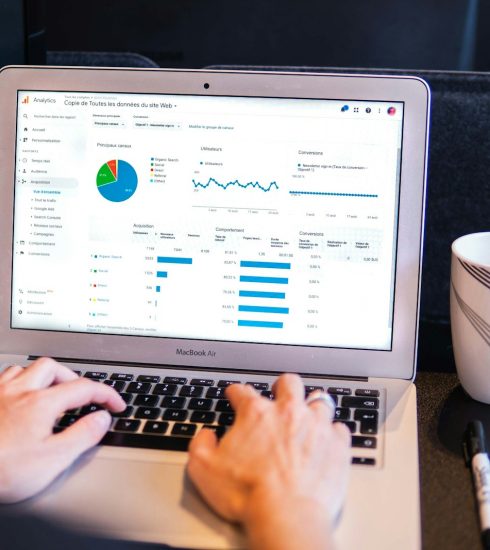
x=31, y=399
x=281, y=470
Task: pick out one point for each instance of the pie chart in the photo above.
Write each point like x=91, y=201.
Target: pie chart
x=117, y=180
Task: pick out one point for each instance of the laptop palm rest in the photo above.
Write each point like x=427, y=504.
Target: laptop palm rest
x=123, y=498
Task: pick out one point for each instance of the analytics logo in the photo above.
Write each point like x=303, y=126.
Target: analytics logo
x=25, y=101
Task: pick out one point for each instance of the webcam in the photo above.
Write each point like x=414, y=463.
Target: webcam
x=206, y=85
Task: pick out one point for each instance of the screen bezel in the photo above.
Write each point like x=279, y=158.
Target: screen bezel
x=397, y=363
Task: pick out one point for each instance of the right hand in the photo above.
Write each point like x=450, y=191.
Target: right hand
x=281, y=470
x=31, y=399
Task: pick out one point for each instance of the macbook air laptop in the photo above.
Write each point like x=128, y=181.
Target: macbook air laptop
x=172, y=232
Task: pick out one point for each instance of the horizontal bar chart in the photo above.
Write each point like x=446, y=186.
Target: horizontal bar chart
x=162, y=274
x=264, y=309
x=257, y=279
x=265, y=265
x=261, y=294
x=173, y=260
x=260, y=324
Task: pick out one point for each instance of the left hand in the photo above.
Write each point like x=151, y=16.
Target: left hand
x=31, y=400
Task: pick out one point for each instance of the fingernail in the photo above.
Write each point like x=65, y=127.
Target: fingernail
x=103, y=418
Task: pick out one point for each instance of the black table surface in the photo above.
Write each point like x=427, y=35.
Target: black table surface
x=449, y=514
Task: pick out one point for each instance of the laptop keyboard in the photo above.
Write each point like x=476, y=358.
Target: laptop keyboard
x=166, y=412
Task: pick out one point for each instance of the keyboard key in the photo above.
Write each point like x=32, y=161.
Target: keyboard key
x=155, y=427
x=218, y=430
x=147, y=412
x=350, y=425
x=93, y=375
x=203, y=417
x=258, y=385
x=138, y=387
x=122, y=376
x=170, y=402
x=68, y=420
x=148, y=378
x=191, y=391
x=90, y=409
x=127, y=425
x=202, y=382
x=128, y=397
x=196, y=404
x=118, y=385
x=364, y=442
x=146, y=400
x=267, y=394
x=342, y=413
x=369, y=427
x=339, y=391
x=165, y=389
x=363, y=414
x=226, y=383
x=184, y=429
x=175, y=414
x=128, y=411
x=77, y=372
x=223, y=405
x=360, y=402
x=226, y=419
x=215, y=393
x=174, y=380
x=309, y=389
x=146, y=441
x=363, y=460
x=367, y=393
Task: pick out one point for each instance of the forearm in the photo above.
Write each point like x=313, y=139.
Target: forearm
x=288, y=524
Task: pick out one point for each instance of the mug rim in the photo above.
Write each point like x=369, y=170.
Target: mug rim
x=456, y=245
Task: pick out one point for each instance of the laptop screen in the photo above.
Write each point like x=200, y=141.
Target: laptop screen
x=266, y=220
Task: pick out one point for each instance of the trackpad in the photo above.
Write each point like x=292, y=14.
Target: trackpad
x=152, y=501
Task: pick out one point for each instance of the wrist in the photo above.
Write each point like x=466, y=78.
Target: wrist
x=284, y=521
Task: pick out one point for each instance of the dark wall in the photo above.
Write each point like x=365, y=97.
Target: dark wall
x=412, y=34
x=12, y=40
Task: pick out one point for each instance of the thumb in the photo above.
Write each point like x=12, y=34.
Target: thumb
x=203, y=444
x=81, y=436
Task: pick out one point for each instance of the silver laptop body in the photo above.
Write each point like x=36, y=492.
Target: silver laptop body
x=206, y=226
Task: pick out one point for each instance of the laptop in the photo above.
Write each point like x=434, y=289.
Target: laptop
x=171, y=232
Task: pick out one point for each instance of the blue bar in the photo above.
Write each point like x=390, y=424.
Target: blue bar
x=267, y=265
x=264, y=309
x=259, y=324
x=162, y=274
x=173, y=260
x=259, y=294
x=253, y=279
x=157, y=289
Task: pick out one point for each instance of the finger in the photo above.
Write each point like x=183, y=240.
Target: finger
x=240, y=395
x=79, y=437
x=82, y=391
x=43, y=373
x=342, y=432
x=289, y=387
x=204, y=443
x=10, y=373
x=323, y=408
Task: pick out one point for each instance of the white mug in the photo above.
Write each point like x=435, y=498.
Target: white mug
x=470, y=313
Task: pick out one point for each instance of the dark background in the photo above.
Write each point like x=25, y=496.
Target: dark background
x=413, y=36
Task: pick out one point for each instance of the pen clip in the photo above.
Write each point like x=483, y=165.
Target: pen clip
x=466, y=454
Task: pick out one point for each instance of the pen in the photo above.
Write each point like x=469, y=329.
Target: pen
x=476, y=457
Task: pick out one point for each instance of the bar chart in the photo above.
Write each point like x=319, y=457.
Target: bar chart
x=168, y=260
x=260, y=313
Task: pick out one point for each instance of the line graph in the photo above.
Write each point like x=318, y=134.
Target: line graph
x=235, y=183
x=328, y=194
